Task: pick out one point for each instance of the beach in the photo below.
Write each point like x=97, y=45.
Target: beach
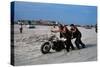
x=27, y=47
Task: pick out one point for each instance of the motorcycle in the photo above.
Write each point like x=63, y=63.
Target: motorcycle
x=53, y=43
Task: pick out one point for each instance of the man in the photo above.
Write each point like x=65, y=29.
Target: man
x=21, y=28
x=64, y=33
x=77, y=34
x=59, y=29
x=67, y=35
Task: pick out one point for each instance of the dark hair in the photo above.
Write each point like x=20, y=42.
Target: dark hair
x=60, y=26
x=66, y=28
x=72, y=25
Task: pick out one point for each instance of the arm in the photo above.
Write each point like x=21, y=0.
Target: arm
x=55, y=31
x=73, y=30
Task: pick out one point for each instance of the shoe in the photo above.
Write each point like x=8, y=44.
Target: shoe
x=73, y=48
x=83, y=46
x=67, y=50
x=78, y=48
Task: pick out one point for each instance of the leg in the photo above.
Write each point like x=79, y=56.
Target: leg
x=82, y=44
x=67, y=46
x=80, y=41
x=77, y=43
x=71, y=45
x=20, y=30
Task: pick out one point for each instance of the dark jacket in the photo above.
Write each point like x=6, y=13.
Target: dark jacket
x=76, y=33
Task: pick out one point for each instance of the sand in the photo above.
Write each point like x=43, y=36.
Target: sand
x=27, y=47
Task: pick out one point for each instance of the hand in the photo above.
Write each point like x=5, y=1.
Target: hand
x=52, y=31
x=72, y=38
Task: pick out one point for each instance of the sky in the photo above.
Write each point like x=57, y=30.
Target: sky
x=64, y=13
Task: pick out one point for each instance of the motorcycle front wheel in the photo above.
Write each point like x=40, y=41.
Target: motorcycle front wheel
x=45, y=48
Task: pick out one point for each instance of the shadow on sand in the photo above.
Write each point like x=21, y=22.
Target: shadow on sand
x=90, y=45
x=87, y=46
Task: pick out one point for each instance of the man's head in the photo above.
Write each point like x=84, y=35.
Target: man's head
x=60, y=26
x=72, y=25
